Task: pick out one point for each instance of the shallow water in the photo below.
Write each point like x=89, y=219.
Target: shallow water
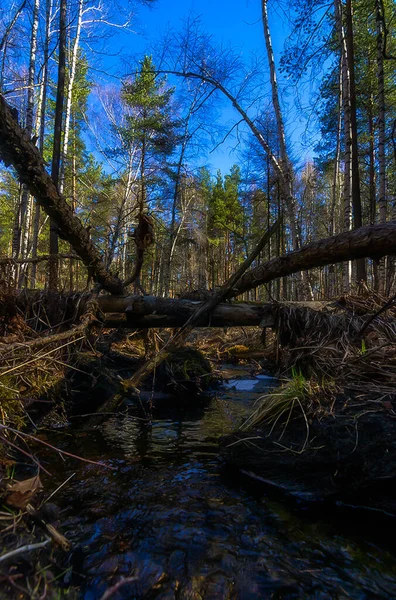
x=166, y=514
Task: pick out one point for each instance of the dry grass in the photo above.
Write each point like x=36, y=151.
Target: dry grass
x=336, y=344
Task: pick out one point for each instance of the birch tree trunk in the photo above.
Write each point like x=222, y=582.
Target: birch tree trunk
x=69, y=96
x=123, y=218
x=27, y=199
x=40, y=130
x=20, y=217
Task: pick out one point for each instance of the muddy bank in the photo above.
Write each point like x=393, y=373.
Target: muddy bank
x=328, y=434
x=346, y=454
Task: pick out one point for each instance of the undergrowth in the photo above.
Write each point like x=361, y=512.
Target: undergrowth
x=299, y=396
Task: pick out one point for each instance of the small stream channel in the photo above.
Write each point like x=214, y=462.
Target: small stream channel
x=167, y=514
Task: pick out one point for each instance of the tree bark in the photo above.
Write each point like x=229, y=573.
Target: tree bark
x=40, y=130
x=27, y=199
x=355, y=178
x=370, y=241
x=286, y=164
x=381, y=131
x=56, y=152
x=345, y=94
x=69, y=96
x=143, y=312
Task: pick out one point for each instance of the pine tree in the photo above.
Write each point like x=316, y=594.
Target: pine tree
x=150, y=123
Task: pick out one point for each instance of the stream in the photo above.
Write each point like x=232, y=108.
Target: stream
x=167, y=514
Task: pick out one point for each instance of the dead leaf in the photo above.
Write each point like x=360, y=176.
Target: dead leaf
x=21, y=492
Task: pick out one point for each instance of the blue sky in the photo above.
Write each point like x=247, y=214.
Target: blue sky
x=234, y=22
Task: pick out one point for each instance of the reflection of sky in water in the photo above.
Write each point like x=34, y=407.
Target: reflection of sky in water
x=242, y=385
x=260, y=383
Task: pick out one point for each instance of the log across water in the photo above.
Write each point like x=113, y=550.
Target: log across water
x=151, y=311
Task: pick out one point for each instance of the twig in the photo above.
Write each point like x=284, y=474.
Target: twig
x=116, y=587
x=40, y=466
x=23, y=549
x=36, y=358
x=376, y=314
x=57, y=489
x=36, y=439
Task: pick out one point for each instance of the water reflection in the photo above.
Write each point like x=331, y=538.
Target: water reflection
x=167, y=516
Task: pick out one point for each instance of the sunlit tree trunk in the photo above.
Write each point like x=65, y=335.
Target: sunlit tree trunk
x=27, y=199
x=173, y=230
x=40, y=129
x=287, y=183
x=303, y=284
x=69, y=96
x=22, y=218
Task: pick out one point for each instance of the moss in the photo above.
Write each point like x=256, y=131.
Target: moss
x=186, y=369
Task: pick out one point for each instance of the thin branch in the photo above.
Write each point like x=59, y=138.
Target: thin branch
x=23, y=549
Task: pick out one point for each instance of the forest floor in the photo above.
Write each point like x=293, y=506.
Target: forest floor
x=326, y=435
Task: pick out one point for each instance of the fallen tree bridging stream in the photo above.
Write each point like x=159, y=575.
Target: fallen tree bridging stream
x=142, y=312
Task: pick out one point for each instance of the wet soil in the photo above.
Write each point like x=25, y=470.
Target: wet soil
x=168, y=514
x=343, y=457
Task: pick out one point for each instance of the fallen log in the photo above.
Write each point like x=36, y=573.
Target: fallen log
x=143, y=312
x=373, y=241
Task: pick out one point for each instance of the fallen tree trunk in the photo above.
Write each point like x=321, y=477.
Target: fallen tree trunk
x=150, y=311
x=373, y=241
x=175, y=313
x=16, y=149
